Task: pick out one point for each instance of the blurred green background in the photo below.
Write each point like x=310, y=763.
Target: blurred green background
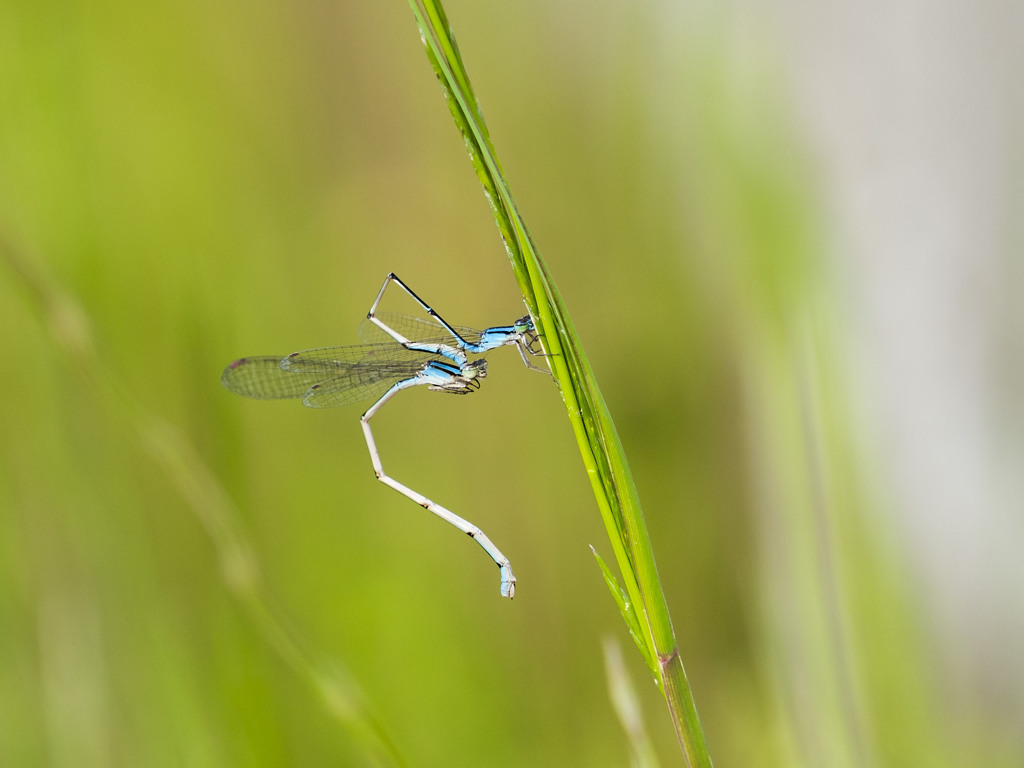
x=212, y=180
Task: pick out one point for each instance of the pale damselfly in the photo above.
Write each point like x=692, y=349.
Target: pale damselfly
x=335, y=376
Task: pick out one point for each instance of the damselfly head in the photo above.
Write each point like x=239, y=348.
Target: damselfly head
x=523, y=325
x=475, y=369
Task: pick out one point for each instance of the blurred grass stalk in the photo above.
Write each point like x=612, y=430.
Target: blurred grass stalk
x=627, y=706
x=641, y=599
x=853, y=674
x=70, y=329
x=803, y=470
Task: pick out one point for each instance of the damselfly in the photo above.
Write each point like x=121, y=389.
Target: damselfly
x=335, y=376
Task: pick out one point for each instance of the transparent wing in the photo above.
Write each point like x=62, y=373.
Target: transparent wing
x=263, y=379
x=325, y=377
x=330, y=358
x=414, y=329
x=340, y=382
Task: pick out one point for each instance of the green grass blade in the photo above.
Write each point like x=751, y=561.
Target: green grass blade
x=600, y=447
x=628, y=611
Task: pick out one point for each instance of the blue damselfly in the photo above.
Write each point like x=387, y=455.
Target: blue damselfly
x=431, y=354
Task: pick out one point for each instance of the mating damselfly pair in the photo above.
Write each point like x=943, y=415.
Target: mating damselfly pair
x=423, y=352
